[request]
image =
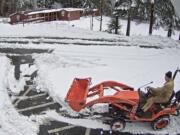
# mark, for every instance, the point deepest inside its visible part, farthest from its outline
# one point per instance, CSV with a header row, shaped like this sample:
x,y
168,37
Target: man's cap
x,y
169,74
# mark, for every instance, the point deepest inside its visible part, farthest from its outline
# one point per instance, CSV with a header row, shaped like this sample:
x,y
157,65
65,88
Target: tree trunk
x,y
117,24
92,21
13,6
128,23
2,7
170,30
151,19
101,3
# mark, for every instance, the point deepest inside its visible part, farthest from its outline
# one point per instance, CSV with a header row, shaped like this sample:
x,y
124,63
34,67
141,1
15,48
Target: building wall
x,y
35,17
15,18
49,16
69,15
96,13
74,15
63,15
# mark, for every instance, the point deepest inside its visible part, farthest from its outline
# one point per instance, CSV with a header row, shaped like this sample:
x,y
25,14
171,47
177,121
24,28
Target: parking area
x,y
33,101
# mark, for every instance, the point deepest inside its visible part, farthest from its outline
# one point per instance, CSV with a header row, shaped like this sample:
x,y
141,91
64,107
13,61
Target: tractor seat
x,y
177,96
160,106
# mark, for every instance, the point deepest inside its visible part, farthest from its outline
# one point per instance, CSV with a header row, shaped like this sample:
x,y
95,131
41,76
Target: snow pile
x,y
157,42
14,85
10,120
54,116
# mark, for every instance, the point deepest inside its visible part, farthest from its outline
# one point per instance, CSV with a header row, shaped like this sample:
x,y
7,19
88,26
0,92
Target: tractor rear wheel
x,y
160,122
118,125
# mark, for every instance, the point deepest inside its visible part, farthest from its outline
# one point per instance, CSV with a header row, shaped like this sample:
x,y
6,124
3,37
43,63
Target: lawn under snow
x,y
127,63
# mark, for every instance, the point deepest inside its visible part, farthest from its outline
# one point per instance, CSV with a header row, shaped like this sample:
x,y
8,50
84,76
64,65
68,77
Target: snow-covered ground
x,y
128,62
10,121
136,28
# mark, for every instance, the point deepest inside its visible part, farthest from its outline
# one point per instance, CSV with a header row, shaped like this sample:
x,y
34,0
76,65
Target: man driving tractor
x,y
127,104
160,94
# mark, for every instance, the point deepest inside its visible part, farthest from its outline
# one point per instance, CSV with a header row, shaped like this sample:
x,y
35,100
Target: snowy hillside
x,y
78,52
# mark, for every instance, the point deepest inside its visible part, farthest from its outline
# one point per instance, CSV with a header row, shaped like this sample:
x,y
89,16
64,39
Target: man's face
x,y
166,78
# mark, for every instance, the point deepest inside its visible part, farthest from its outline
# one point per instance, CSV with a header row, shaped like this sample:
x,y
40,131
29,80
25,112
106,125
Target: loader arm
x,y
80,91
99,88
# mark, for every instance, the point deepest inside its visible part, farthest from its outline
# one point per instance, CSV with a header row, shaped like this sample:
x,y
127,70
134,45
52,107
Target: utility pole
x,y
151,17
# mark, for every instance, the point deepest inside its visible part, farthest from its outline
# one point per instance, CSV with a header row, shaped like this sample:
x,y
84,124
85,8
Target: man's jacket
x,y
163,94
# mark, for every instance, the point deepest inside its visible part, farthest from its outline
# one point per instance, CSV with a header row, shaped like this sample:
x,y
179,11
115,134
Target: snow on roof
x,y
14,14
55,10
73,9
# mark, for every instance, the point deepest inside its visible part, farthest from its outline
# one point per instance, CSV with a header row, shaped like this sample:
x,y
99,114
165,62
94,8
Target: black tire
x,y
118,125
178,106
177,113
160,122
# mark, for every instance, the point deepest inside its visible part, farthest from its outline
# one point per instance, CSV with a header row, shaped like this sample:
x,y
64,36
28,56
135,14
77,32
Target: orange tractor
x,y
123,104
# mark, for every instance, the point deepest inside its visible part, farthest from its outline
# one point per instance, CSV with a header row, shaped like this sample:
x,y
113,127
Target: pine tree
x,y
23,5
164,14
112,26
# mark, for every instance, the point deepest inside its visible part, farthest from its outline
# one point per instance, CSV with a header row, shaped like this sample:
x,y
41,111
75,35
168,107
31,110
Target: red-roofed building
x,y
66,14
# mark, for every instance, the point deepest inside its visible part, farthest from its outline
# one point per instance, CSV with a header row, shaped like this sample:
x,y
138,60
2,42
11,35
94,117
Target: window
x,y
69,15
30,16
18,18
62,13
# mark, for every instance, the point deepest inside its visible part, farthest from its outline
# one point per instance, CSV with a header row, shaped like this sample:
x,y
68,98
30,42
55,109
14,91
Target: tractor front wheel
x,y
118,125
160,122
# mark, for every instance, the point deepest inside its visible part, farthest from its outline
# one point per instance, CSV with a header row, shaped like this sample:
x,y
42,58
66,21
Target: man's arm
x,y
156,91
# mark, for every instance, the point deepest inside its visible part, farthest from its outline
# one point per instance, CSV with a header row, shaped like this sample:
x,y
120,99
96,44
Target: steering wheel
x,y
149,91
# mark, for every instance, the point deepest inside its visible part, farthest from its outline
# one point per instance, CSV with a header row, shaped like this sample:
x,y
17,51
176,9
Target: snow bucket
x,y
77,94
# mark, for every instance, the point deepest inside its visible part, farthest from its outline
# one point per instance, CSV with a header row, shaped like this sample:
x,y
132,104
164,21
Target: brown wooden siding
x,y
66,15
